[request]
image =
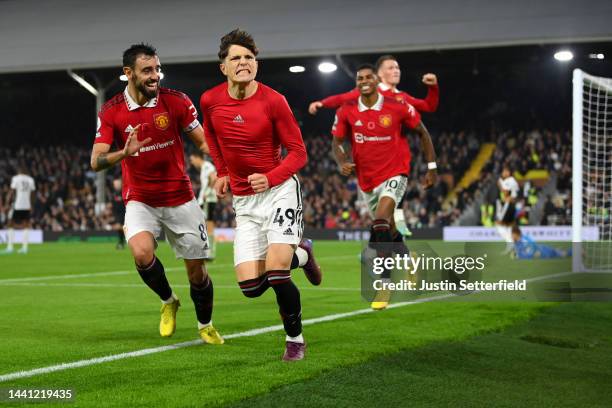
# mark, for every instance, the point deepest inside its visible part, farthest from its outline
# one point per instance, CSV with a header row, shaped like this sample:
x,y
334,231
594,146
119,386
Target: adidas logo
x,y
238,119
358,123
288,232
128,129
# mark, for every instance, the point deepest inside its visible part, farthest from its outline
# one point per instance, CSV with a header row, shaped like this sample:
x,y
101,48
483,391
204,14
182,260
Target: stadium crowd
x,y
65,184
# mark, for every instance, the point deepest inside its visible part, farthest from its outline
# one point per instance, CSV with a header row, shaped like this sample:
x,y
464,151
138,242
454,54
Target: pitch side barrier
x,y
227,235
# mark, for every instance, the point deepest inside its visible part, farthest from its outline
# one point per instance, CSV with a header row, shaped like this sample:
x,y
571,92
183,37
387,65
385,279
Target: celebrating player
x,y
146,122
207,198
22,187
389,75
246,123
381,157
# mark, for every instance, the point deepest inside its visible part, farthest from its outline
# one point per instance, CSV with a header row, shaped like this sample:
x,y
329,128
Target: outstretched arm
x,y
333,101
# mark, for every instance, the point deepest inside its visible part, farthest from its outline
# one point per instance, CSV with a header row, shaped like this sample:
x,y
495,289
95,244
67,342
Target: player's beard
x,y
141,86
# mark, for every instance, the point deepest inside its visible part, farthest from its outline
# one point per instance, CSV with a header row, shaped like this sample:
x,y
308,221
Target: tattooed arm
x,y
101,159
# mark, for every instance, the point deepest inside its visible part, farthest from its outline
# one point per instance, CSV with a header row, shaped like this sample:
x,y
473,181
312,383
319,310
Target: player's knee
x,y
253,288
142,256
196,273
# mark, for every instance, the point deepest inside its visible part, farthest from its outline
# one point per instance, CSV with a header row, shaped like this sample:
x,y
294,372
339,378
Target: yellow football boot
x,y
167,324
210,335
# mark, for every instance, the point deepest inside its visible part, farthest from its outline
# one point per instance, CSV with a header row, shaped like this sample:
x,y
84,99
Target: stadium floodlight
x,y
297,69
564,55
327,67
591,173
598,56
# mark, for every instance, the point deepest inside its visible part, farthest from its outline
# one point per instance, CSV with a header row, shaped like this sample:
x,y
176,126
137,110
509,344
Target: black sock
x,y
288,299
120,237
202,296
254,287
399,247
155,278
382,242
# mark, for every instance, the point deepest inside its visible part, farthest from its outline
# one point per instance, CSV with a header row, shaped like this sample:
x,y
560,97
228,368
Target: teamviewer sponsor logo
x,y
361,138
156,146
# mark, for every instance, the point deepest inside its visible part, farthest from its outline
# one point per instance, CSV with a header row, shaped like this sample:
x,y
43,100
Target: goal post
x,y
591,173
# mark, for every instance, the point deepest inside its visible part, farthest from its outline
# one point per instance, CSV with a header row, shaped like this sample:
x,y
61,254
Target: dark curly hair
x,y
237,37
131,54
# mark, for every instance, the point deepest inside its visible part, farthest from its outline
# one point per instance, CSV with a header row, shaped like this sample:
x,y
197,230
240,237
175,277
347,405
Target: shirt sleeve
x,y
211,139
410,117
188,115
104,128
429,104
32,184
335,101
13,183
340,128
290,136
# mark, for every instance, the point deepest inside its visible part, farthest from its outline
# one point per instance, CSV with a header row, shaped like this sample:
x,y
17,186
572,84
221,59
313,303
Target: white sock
x,y
509,235
504,232
203,325
297,339
171,299
10,238
302,256
25,236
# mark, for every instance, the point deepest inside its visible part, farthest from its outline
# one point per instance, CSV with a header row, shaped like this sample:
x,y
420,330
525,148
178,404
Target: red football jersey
x,y
155,175
380,150
429,104
245,136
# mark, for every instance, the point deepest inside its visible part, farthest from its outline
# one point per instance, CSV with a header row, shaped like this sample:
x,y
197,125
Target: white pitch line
x,y
129,272
253,332
141,285
154,350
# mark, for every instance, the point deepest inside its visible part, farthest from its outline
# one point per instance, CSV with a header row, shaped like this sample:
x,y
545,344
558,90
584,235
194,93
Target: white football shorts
x,y
183,225
271,217
394,188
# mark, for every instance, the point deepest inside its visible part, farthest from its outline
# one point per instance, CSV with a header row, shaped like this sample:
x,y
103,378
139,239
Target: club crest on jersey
x,y
385,120
161,120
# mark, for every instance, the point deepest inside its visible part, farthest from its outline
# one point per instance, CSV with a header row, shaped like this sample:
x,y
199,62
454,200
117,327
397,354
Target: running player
x,y
381,158
146,122
246,124
389,75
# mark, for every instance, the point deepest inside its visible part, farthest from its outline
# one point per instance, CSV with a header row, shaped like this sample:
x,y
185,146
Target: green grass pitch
x,y
67,302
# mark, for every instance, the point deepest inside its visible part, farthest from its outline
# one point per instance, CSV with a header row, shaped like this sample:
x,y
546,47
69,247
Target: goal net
x,y
592,173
